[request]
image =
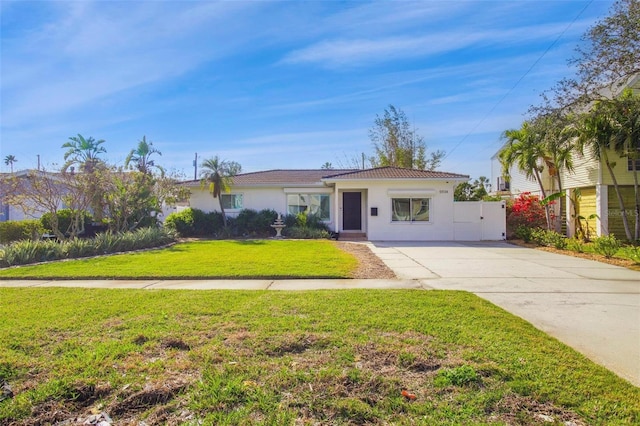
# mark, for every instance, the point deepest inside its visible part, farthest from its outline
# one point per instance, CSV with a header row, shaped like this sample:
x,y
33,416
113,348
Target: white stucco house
x,y
379,204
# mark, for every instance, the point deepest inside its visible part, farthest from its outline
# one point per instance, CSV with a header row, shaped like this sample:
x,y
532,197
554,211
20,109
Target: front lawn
x,y
206,259
283,358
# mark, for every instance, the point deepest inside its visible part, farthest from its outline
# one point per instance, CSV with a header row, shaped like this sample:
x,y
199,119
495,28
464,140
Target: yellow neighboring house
x,y
590,194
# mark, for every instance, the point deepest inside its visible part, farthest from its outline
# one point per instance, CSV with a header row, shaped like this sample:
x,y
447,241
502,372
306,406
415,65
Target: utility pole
x,y
38,161
195,168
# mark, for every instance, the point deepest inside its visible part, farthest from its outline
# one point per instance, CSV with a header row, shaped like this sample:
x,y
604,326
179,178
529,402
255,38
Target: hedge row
x,y
29,251
248,224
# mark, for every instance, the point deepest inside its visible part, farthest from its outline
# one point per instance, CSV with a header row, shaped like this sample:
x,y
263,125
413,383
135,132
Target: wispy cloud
x,y
344,52
85,53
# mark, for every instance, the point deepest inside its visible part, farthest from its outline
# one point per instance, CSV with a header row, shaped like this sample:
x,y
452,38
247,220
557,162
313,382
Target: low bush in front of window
x,y
192,222
304,226
252,223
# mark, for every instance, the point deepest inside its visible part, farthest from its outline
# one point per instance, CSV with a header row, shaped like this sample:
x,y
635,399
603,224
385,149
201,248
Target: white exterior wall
x,y
496,172
258,198
518,181
253,198
382,228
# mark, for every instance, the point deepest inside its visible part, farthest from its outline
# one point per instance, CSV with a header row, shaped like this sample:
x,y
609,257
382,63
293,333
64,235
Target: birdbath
x,y
278,225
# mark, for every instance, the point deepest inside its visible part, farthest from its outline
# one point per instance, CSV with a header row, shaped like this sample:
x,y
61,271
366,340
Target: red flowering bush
x,y
525,211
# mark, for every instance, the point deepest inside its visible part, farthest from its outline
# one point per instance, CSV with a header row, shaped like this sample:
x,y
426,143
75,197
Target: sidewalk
x,y
312,284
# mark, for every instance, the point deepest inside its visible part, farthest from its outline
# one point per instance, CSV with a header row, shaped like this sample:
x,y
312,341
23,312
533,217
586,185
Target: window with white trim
x,y
410,209
231,201
310,204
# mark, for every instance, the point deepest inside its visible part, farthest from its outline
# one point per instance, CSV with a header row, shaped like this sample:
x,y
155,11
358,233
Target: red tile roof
x,y
394,173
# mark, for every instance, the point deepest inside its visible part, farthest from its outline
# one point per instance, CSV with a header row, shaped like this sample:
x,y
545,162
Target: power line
x,y
519,80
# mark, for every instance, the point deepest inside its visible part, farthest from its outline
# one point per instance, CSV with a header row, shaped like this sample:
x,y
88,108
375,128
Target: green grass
x,y
206,259
280,358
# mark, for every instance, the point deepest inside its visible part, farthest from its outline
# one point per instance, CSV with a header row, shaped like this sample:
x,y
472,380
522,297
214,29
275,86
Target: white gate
x,y
479,221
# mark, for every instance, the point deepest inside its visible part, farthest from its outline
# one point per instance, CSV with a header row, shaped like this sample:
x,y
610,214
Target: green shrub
x,y
524,233
24,252
548,238
458,376
192,222
315,222
607,245
256,224
180,222
632,253
65,216
29,251
16,230
77,247
290,220
576,244
306,233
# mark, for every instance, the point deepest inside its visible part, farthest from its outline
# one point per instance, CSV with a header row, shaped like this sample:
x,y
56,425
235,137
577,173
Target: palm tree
x,y
9,160
217,174
558,137
141,156
83,152
626,113
597,133
525,150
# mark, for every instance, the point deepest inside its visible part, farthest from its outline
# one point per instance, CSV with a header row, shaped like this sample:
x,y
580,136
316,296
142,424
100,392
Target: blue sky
x,y
277,84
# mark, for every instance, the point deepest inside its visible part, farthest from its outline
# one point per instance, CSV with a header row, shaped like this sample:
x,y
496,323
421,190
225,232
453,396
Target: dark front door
x,y
352,211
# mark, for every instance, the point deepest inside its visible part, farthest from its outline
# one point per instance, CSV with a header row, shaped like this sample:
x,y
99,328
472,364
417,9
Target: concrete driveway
x,y
591,306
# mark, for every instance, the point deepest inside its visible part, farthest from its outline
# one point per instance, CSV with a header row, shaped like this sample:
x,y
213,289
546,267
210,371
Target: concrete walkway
x,y
590,306
312,284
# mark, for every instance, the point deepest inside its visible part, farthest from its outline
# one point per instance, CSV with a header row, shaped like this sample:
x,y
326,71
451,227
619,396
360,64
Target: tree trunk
x,y
224,216
544,195
623,211
559,221
636,193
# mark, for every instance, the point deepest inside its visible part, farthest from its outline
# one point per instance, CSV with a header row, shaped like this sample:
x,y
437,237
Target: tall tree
x,y
597,134
625,112
9,160
217,175
475,191
141,156
85,152
525,150
557,135
44,192
397,144
605,62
